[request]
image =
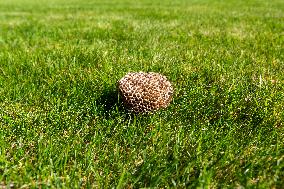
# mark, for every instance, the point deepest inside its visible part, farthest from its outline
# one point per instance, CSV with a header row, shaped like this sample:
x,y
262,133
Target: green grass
x,y
62,123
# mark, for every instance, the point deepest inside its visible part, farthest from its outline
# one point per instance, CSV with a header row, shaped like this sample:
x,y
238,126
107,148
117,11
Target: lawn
x,y
62,123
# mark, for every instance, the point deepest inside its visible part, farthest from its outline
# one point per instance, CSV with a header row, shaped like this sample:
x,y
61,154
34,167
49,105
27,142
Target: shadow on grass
x,y
111,107
110,104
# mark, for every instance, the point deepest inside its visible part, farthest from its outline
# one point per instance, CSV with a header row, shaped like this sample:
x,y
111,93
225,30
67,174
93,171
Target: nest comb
x,y
145,92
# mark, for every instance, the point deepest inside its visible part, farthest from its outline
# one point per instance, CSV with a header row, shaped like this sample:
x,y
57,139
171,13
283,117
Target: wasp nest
x,y
145,92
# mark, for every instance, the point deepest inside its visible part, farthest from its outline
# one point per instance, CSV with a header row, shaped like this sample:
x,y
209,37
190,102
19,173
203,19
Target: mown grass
x,y
62,122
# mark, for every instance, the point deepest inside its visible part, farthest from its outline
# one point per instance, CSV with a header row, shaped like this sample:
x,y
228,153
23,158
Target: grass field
x,y
62,123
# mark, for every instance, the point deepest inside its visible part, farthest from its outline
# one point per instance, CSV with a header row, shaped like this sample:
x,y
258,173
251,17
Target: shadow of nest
x,y
110,103
111,106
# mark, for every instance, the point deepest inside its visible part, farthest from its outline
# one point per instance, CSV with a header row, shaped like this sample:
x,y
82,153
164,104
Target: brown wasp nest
x,y
145,92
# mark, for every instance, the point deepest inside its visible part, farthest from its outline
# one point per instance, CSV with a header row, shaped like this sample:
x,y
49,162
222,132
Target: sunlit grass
x,y
62,122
